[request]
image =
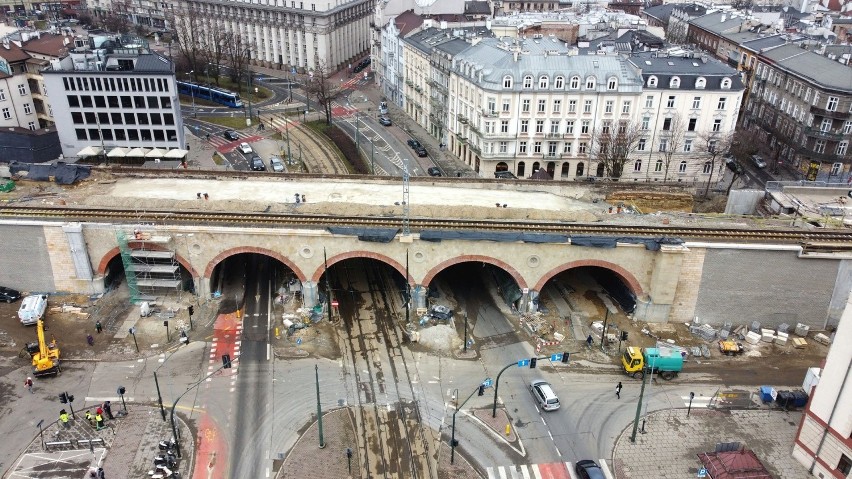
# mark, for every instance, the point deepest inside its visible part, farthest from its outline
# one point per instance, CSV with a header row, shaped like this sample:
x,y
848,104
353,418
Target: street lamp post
x,y
192,93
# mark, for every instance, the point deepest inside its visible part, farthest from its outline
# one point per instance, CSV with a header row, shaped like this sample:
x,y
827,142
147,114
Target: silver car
x,y
276,164
544,395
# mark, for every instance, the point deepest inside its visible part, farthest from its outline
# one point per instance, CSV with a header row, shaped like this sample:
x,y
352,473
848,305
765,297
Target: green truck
x,y
665,362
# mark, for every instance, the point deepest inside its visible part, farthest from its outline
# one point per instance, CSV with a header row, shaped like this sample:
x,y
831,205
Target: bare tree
x,y
671,141
188,34
714,145
216,45
744,143
614,143
322,88
236,54
117,18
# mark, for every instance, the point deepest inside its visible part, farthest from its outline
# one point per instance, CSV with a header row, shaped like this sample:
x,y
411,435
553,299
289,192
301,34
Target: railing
x,y
475,149
462,119
489,113
553,135
828,113
554,156
830,134
776,186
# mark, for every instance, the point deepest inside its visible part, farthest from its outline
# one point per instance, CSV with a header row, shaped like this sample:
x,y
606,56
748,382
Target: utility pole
x,y
319,410
639,407
406,208
372,157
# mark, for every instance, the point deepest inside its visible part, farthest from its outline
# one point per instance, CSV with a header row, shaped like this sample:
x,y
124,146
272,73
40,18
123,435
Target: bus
x,y
211,93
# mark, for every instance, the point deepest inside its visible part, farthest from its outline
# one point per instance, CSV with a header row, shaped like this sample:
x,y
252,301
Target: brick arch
x,y
478,259
252,249
362,254
109,255
625,275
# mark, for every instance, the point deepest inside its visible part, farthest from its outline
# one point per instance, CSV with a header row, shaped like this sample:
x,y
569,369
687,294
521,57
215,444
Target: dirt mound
x,y
652,201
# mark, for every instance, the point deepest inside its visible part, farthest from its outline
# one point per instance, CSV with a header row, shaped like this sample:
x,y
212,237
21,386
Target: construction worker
x,y
100,420
90,418
63,418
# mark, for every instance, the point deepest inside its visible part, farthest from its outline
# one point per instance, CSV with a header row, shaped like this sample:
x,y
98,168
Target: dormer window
x,y
559,83
528,81
652,82
701,83
674,82
590,83
726,83
612,84
575,83
542,83
507,81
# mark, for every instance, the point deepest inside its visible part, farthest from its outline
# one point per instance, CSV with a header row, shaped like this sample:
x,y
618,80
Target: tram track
x,y
257,219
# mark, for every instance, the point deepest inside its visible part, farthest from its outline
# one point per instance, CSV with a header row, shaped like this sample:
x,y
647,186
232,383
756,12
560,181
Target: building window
x,y
646,120
584,127
569,127
504,147
611,84
7,114
658,166
522,147
28,109
637,166
587,106
542,106
667,124
504,126
844,466
582,147
31,125
572,106
836,168
674,83
554,127
507,105
687,145
528,81
489,127
525,126
539,126
640,146
575,83
22,89
649,101
625,107
567,147
825,126
664,145
559,83
492,106
537,147
670,103
721,104
693,122
847,127
652,81
700,83
819,146
842,147
831,103
608,106
696,103
707,168
717,125
590,83
580,168
507,81
681,168
542,83
2,94
525,106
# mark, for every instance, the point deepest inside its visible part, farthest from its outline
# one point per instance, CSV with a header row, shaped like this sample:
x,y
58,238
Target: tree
x,y
236,54
322,89
714,145
188,34
671,141
744,143
614,143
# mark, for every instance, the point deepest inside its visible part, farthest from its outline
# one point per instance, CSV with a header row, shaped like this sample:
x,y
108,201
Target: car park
x,y
231,135
758,161
246,148
434,171
257,164
276,164
544,395
385,121
9,295
421,152
588,469
414,144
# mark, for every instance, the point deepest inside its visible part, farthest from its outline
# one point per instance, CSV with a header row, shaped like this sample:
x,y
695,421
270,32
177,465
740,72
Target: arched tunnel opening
x,y
594,293
241,277
154,276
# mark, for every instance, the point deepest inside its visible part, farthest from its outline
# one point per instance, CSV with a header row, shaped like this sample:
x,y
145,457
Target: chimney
x,y
515,55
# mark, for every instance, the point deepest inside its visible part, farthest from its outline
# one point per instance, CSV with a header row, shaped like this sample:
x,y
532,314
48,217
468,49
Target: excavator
x,y
45,356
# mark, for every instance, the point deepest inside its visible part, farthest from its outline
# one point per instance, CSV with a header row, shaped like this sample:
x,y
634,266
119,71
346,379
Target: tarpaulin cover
x,y
651,244
63,173
438,235
375,235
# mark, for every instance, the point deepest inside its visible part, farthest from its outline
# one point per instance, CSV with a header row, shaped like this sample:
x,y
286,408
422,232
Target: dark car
x,y
257,164
9,295
414,144
421,152
439,311
362,65
231,135
385,121
505,175
587,469
434,171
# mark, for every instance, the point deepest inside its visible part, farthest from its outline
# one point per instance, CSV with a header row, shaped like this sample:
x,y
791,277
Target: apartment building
x,y
391,62
284,34
801,102
116,93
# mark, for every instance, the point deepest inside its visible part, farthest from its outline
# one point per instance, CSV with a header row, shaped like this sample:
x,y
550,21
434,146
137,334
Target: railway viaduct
x,y
713,281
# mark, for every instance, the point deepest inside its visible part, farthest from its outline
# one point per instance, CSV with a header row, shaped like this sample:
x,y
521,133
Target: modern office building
x,y
114,92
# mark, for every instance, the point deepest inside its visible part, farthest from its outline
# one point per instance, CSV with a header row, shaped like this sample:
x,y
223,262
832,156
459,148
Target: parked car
x,y
246,148
385,121
439,311
414,144
231,135
758,161
383,108
434,171
588,469
505,174
9,295
276,164
544,395
257,164
362,65
421,152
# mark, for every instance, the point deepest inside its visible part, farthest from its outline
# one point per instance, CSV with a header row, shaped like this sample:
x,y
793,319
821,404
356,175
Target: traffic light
x,y
190,310
226,361
532,362
624,335
70,398
481,390
565,356
63,398
121,390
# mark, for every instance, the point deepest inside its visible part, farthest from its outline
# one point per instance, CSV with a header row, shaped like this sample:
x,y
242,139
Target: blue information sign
x,y
298,340
556,357
488,382
523,362
702,472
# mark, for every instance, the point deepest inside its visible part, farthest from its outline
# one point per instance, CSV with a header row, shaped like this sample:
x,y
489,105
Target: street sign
x,y
488,382
702,472
298,340
334,303
556,357
523,363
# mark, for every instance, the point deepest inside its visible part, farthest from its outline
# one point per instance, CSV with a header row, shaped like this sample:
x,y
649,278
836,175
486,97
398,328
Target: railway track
x,y
222,218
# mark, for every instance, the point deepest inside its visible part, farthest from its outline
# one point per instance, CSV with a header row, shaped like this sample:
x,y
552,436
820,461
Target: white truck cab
x,y
32,309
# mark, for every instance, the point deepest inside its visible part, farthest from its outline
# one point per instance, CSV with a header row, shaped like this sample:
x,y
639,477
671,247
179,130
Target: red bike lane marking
x,y
212,448
553,470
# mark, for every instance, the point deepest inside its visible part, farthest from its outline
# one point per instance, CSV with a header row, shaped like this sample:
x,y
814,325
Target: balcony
x,y
828,134
474,130
826,157
829,114
475,149
462,119
553,134
552,156
489,113
497,134
462,139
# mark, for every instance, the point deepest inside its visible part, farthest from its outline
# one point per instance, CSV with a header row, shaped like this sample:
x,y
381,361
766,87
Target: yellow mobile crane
x,y
45,356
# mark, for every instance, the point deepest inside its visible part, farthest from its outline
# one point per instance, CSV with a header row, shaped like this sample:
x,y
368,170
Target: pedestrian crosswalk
x,y
552,470
224,145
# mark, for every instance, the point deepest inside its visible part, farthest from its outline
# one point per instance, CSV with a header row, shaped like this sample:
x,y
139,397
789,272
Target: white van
x,y
32,309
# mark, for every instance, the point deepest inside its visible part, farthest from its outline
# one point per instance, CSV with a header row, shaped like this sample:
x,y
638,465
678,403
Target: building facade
x,y
801,102
115,95
391,62
824,441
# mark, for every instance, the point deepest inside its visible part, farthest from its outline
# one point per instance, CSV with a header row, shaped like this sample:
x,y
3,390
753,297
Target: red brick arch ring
x,y
477,259
362,254
208,271
102,266
622,273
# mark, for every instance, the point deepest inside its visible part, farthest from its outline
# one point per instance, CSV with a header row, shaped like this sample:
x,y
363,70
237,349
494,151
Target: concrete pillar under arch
x,y
310,294
529,301
418,297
